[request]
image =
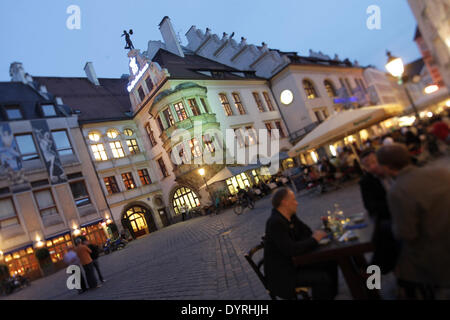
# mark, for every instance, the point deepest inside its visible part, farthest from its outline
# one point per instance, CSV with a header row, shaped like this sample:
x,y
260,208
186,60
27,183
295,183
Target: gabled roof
x,y
107,102
189,67
414,68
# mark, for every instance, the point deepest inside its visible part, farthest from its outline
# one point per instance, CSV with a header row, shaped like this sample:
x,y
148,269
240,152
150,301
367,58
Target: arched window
x,y
184,196
94,136
330,88
112,133
309,89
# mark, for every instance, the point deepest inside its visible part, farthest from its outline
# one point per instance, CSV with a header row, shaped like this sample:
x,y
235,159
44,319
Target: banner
x,y
48,150
9,152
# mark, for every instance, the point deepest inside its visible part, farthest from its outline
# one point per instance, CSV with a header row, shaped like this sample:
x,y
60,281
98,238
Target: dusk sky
x,y
35,32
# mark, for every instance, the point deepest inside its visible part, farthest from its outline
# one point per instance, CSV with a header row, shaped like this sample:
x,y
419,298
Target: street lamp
x,y
395,67
202,173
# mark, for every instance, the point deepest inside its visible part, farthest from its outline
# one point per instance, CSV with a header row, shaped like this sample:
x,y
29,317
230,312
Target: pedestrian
x,y
286,237
71,258
95,251
419,203
183,211
84,254
373,185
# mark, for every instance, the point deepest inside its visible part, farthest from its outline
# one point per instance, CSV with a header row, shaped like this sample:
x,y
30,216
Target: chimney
x,y
90,73
17,72
170,39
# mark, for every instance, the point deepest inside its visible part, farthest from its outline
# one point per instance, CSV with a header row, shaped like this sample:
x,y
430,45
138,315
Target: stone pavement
x,y
201,258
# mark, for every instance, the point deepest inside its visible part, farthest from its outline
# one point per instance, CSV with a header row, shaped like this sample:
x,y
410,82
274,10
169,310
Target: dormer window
x,y
141,94
48,110
149,83
13,113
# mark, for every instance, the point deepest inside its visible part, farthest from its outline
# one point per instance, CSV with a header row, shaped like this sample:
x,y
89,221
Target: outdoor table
x,y
350,258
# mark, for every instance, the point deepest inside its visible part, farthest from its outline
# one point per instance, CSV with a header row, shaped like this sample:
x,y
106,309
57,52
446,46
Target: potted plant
x,y
45,261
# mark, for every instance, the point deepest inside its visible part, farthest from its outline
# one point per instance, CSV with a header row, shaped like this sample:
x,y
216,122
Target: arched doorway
x,y
138,220
184,196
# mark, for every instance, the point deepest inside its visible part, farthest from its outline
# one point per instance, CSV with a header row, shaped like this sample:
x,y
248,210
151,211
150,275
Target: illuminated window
x,y
128,132
169,118
258,102
116,148
22,262
45,202
144,177
238,103
310,91
111,185
8,215
163,168
80,193
208,142
251,137
112,133
94,136
184,197
150,134
280,128
194,107
62,142
195,148
99,152
238,181
133,147
136,217
128,181
269,127
180,111
268,101
330,88
225,104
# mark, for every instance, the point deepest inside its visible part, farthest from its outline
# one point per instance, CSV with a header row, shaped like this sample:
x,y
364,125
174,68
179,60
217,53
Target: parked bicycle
x,y
243,203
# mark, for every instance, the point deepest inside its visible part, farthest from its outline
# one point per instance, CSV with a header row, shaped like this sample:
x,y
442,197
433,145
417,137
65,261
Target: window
x,y
99,152
94,136
8,214
13,113
179,109
330,88
240,180
128,132
62,143
207,140
280,128
325,113
27,147
150,134
238,134
48,110
144,177
116,148
133,146
194,107
168,116
318,116
251,134
343,86
238,103
184,197
59,246
225,104
348,85
363,85
45,202
80,194
309,89
160,124
128,181
268,101
269,127
112,133
141,94
149,84
111,185
258,101
205,107
195,148
162,166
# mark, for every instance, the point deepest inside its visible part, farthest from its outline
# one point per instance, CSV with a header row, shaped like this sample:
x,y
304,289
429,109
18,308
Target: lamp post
x,y
395,67
202,173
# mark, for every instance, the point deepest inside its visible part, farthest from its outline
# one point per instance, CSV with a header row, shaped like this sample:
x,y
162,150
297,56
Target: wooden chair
x,y
303,292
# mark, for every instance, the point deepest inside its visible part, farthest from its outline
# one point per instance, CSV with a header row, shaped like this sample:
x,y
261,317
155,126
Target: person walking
x,y
84,254
94,255
419,204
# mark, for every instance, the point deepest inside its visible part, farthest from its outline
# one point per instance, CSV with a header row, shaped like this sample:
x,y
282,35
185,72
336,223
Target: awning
x,y
344,123
84,225
231,171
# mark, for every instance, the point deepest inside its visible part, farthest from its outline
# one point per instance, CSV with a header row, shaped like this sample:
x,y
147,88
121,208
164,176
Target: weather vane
x,y
127,39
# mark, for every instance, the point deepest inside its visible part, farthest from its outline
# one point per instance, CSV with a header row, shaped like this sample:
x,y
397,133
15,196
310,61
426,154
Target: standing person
x,y
419,204
84,254
183,211
71,258
286,237
373,190
94,255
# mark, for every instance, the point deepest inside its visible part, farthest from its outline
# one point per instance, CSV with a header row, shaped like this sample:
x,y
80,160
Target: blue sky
x,y
35,32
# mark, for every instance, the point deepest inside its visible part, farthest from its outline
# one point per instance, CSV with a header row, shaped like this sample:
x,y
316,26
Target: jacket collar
x,y
277,213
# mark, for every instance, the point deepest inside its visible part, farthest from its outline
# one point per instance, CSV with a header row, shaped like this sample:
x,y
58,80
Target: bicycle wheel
x,y
238,209
251,205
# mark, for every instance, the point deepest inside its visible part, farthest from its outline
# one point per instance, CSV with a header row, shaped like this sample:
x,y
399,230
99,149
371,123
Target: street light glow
x,y
201,172
395,66
431,88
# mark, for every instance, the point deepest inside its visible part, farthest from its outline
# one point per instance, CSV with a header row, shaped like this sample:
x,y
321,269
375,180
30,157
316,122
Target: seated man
x,y
286,237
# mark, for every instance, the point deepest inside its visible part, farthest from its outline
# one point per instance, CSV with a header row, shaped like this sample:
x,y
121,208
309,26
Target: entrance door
x,y
163,215
137,222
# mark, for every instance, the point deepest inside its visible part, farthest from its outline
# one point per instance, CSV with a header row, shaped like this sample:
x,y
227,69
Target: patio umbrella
x,y
344,123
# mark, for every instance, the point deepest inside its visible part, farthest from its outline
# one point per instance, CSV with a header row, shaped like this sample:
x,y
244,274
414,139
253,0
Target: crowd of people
x,y
407,201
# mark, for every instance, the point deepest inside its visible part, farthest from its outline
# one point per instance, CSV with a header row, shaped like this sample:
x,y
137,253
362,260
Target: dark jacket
x,y
283,241
95,251
375,201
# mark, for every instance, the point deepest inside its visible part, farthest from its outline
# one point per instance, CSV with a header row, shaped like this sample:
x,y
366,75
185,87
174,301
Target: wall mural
x,y
48,151
10,160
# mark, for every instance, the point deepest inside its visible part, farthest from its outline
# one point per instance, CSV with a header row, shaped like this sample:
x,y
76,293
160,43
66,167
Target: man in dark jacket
x,y
286,237
374,197
94,255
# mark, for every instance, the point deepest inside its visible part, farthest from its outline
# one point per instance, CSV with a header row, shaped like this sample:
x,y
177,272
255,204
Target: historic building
x,y
49,191
116,148
188,106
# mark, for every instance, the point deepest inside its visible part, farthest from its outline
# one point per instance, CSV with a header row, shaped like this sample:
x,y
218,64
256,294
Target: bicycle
x,y
241,204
